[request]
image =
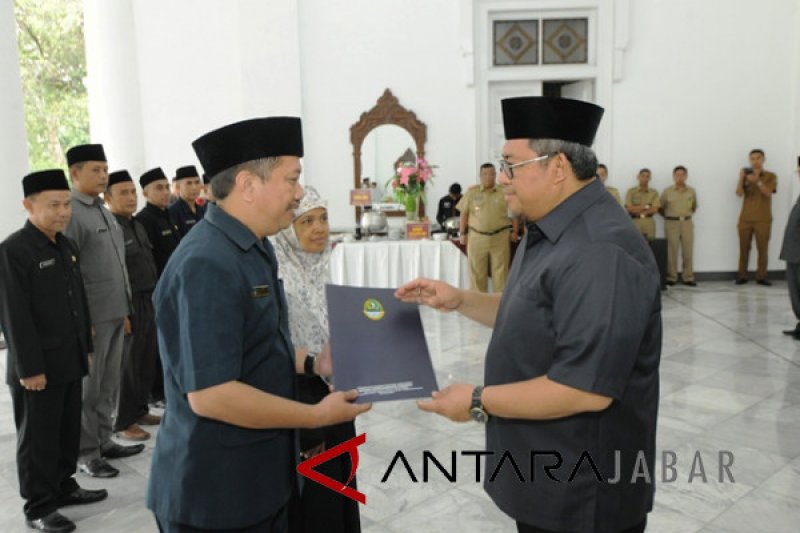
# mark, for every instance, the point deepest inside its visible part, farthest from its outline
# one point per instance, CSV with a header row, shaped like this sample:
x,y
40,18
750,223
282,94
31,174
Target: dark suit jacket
x,y
790,250
43,308
163,232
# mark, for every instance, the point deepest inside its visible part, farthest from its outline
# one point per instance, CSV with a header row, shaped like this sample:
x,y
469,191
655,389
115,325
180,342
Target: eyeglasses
x,y
508,170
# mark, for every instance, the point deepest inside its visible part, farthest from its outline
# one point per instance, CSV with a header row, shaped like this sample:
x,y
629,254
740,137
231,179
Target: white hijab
x,y
304,276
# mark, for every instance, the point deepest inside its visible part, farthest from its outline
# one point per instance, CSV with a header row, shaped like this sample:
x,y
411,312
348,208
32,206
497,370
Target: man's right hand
x,y
338,407
463,239
34,383
430,292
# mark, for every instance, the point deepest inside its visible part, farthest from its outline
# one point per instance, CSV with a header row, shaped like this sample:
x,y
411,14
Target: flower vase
x,y
412,208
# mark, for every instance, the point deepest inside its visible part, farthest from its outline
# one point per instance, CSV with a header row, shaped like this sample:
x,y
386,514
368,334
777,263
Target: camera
x,y
747,171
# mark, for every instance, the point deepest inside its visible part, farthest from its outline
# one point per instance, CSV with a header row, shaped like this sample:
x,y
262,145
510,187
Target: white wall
x,y
350,53
205,63
698,83
13,142
704,82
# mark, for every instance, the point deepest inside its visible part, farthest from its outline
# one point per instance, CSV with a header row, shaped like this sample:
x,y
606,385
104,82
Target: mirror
x,y
380,151
382,136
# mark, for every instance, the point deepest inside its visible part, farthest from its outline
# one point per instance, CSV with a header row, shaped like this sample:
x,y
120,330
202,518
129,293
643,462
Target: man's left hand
x,y
452,402
127,327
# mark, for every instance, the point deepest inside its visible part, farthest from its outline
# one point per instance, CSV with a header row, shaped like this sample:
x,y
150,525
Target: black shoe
x,y
82,496
671,283
792,332
117,451
98,468
55,522
741,281
764,282
690,283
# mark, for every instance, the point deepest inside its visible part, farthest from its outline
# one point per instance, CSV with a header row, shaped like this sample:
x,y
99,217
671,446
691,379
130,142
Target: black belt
x,y
679,218
490,233
641,216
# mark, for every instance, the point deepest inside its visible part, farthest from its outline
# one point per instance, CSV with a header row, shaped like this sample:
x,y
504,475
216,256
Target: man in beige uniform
x,y
757,186
484,214
642,203
678,202
602,173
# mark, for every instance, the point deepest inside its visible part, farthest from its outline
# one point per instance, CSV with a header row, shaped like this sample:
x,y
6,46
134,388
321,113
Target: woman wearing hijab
x,y
303,254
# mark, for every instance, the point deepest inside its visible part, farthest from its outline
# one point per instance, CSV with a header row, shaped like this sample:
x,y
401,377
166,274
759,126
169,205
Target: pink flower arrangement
x,y
408,183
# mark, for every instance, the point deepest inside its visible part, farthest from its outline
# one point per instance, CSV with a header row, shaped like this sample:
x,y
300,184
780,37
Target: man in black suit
x,y
790,252
447,204
45,317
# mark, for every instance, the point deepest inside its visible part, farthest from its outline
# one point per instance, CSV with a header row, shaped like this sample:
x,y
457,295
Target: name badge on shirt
x,y
128,243
166,232
260,291
48,263
101,230
189,222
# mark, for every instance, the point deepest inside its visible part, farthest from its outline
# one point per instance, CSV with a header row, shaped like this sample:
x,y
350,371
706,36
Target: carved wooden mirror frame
x,y
387,110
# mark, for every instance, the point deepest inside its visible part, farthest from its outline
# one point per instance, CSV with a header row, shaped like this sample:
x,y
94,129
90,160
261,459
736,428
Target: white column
x,y
13,140
115,116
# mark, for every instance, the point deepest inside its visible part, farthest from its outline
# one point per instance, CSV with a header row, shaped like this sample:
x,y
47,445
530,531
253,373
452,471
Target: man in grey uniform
x,y
571,374
102,250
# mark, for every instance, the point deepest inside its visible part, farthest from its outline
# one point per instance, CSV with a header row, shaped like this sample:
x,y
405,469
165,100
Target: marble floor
x,y
730,382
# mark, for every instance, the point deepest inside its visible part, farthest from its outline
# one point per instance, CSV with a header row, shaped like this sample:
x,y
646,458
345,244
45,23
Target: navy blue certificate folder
x,y
378,345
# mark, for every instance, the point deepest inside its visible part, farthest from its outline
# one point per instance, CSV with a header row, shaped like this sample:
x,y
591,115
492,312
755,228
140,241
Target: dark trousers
x,y
48,437
138,363
276,523
524,528
793,280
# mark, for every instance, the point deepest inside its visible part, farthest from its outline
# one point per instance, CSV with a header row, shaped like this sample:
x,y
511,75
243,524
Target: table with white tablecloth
x,y
389,264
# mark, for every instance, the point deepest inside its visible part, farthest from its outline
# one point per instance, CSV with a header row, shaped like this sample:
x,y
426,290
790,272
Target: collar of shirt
x,y
553,224
86,199
233,229
40,239
123,220
487,189
156,210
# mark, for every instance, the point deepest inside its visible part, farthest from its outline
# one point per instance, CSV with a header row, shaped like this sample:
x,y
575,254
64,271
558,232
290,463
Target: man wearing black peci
x,y
572,365
45,316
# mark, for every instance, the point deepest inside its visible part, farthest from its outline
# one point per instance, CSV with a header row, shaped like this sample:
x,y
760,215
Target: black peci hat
x,y
85,152
118,177
44,180
154,174
248,140
186,172
539,117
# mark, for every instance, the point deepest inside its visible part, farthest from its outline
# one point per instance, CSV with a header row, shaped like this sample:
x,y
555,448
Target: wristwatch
x,y
477,411
308,365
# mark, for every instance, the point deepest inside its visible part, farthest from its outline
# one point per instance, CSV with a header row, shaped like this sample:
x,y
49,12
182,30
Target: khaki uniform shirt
x,y
636,196
486,209
756,206
678,202
613,191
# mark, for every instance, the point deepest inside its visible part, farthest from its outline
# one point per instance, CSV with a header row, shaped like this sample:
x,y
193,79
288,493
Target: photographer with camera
x,y
756,186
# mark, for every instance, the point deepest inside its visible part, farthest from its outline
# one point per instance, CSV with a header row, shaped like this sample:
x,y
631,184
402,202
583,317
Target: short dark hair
x,y
601,165
455,188
679,167
645,170
757,151
487,165
222,183
581,158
